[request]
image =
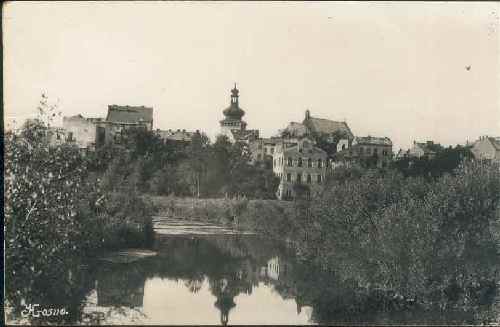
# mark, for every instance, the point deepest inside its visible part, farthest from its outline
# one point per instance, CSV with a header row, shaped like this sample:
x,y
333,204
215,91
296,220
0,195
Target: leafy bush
x,y
429,240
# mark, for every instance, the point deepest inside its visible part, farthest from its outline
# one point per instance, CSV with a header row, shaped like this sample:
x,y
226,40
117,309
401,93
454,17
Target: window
x,y
290,162
319,179
272,150
320,163
288,177
343,146
299,162
375,150
70,136
260,146
299,178
360,151
309,179
259,156
309,163
327,163
265,150
367,150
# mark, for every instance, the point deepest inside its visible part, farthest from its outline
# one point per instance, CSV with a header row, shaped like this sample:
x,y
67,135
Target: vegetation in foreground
x,y
57,208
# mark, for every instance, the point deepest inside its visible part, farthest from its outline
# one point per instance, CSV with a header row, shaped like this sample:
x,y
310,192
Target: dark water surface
x,y
203,274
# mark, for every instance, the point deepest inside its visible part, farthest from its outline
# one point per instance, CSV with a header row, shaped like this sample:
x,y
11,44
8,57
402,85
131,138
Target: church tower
x,y
232,116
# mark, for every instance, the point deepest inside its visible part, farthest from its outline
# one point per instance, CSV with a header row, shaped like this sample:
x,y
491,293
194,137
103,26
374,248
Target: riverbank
x,y
266,217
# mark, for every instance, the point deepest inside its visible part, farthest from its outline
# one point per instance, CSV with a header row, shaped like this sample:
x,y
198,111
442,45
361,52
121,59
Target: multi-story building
x,y
232,125
335,135
299,164
81,131
120,119
367,148
263,148
487,148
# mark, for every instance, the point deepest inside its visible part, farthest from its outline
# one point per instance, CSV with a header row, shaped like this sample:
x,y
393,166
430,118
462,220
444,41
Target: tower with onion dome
x,y
232,116
232,125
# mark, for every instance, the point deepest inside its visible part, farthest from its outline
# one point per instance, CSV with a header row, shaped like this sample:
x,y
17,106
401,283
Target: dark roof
x,y
327,126
129,114
372,140
234,111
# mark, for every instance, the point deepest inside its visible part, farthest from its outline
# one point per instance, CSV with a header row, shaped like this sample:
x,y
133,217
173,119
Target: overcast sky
x,y
388,69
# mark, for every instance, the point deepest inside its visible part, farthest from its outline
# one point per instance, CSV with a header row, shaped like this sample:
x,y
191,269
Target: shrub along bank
x,y
56,210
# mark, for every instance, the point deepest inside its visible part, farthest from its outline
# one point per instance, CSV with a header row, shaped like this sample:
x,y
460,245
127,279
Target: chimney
x,y
308,114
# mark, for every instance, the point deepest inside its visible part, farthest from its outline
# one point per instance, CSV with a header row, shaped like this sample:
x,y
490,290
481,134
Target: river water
x,y
207,274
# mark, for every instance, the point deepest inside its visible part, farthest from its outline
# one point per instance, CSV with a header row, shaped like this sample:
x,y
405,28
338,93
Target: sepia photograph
x,y
251,163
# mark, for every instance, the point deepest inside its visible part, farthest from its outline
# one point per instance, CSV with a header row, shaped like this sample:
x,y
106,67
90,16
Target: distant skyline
x,y
409,71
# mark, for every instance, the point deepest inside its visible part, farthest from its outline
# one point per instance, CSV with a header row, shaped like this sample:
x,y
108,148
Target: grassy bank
x,y
267,217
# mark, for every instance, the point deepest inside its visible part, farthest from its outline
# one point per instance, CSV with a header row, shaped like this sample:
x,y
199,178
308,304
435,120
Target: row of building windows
x,y
300,178
267,150
301,162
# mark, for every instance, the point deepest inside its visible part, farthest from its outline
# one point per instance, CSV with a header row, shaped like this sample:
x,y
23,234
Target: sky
x,y
409,71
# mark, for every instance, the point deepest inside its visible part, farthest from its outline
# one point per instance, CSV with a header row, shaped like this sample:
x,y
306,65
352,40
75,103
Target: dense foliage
x,y
431,241
446,160
57,210
197,168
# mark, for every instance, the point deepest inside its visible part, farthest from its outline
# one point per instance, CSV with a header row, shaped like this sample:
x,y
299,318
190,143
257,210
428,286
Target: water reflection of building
x,y
273,268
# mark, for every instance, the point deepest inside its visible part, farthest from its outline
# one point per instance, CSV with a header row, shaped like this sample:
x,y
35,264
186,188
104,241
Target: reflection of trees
x,y
194,285
121,285
232,266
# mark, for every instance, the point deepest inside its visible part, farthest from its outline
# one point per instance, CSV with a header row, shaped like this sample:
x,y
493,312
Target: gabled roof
x,y
327,126
129,114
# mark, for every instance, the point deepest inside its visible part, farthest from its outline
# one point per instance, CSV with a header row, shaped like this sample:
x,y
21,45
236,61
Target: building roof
x,y
129,114
234,111
372,140
495,141
245,135
295,129
327,126
296,149
175,135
